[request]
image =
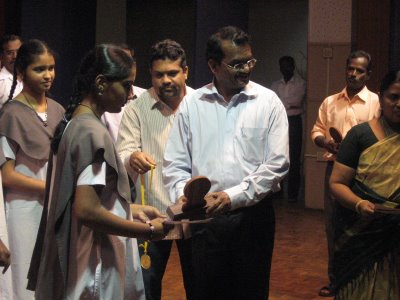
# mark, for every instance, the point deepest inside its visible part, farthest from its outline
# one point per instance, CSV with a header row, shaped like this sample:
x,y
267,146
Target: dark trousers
x,y
232,254
159,252
295,145
330,212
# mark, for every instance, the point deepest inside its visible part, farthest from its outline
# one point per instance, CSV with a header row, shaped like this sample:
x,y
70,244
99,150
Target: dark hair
x,y
287,58
27,54
360,53
167,49
228,33
128,48
390,78
8,38
108,60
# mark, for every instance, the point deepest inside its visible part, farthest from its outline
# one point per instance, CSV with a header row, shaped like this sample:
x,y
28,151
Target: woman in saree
x,y
366,182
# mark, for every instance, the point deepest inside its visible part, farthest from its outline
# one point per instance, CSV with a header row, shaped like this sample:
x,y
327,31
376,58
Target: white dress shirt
x,y
291,94
6,80
240,145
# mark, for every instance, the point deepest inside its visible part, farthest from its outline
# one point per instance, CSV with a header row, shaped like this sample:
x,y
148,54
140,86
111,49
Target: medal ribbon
x,y
143,201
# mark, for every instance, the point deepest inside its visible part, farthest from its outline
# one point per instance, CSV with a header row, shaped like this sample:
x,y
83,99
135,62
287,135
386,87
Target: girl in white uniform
x,y
88,251
5,277
27,123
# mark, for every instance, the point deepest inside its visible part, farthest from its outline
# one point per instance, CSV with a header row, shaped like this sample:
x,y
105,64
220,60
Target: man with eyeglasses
x,y
235,132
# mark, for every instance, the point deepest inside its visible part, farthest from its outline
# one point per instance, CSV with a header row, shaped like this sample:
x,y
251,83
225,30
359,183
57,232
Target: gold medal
x,y
145,261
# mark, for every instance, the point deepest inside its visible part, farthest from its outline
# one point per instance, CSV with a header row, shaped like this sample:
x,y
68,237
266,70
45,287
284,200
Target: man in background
x,y
291,89
141,142
8,53
355,104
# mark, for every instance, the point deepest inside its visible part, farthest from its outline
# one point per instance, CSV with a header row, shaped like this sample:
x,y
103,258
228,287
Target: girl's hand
x,y
4,256
160,229
145,213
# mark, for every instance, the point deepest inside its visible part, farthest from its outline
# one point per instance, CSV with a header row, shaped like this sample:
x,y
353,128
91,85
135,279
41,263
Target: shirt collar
x,y
156,101
363,95
248,92
290,80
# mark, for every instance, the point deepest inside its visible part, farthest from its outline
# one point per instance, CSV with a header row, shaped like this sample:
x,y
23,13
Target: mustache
x,y
163,88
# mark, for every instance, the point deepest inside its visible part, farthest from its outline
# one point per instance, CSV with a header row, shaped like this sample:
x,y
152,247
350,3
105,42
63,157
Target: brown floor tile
x,y
298,264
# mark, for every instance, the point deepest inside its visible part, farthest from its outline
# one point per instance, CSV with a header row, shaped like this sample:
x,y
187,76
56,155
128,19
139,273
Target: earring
x,y
100,90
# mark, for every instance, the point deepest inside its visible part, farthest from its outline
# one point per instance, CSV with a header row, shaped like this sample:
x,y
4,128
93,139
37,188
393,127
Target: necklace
x,y
81,104
44,121
389,130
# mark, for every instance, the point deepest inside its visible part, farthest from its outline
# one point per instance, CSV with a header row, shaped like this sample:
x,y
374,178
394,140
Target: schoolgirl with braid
x,y
88,250
27,125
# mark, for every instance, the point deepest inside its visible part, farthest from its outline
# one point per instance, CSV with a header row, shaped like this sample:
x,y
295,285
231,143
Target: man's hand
x,y
332,147
329,145
141,162
145,213
4,257
218,203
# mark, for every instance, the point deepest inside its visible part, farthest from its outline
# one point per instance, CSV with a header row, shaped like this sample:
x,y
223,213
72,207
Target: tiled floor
x,y
298,263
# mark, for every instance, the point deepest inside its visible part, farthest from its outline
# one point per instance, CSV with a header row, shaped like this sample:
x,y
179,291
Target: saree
x,y
367,248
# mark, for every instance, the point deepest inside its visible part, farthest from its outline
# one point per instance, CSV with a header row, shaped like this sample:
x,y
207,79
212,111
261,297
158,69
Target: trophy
x,y
336,135
195,207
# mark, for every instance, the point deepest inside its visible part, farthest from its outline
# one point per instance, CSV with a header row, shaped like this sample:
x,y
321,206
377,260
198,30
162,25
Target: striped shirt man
x,y
145,127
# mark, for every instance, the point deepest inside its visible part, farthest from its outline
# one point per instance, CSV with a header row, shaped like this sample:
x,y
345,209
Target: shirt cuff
x,y
132,174
178,191
315,135
237,195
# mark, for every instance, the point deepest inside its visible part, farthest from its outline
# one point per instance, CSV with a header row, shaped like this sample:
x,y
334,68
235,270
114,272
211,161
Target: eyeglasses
x,y
241,66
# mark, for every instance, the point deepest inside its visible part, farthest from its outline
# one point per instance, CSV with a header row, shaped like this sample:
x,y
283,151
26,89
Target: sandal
x,y
326,291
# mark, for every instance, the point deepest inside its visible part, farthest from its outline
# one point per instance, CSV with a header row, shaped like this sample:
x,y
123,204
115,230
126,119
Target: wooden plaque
x,y
195,207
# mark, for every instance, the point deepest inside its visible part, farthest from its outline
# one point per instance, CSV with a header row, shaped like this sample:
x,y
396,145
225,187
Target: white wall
x,y
329,33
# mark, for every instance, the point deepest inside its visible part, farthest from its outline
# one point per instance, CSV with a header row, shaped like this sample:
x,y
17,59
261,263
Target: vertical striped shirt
x,y
145,127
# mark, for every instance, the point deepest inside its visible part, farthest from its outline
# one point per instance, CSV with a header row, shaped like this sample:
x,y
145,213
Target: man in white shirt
x,y
235,132
291,89
8,53
141,141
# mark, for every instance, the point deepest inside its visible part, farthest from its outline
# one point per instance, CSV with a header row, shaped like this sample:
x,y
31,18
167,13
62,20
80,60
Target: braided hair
x,y
105,59
26,55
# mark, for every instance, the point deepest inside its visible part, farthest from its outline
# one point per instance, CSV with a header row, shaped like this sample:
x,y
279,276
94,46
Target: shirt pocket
x,y
250,144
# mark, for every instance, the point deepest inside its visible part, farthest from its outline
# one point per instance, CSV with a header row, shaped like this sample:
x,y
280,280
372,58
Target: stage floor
x,y
299,261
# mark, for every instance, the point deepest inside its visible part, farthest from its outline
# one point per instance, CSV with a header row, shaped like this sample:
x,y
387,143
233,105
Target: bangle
x,y
358,206
151,229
